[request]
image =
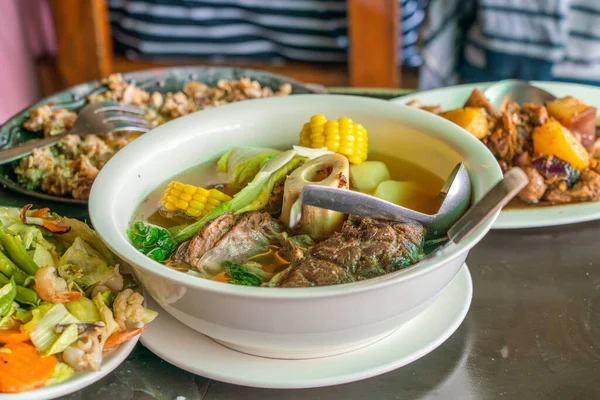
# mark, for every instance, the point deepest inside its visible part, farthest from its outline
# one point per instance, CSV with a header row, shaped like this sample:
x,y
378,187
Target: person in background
x,y
310,31
489,40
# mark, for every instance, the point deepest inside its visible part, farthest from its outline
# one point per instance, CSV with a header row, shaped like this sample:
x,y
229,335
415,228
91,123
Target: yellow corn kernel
x,y
191,201
169,206
343,136
183,205
193,212
197,205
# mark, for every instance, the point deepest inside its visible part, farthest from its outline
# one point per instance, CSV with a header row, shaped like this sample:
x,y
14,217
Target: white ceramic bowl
x,y
280,322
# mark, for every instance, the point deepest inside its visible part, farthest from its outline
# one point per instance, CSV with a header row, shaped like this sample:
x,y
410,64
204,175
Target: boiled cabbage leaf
x,y
83,265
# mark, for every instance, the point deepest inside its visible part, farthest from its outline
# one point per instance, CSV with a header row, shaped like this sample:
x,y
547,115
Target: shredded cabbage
x,y
106,315
8,293
252,197
84,310
82,231
64,340
61,372
83,265
36,315
43,334
9,320
43,258
229,160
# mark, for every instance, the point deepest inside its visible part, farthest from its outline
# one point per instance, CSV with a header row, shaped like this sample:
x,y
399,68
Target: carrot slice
x,y
22,368
121,337
13,336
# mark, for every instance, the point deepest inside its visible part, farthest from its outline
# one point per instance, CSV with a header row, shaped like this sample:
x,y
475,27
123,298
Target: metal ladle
x,y
455,197
517,90
506,189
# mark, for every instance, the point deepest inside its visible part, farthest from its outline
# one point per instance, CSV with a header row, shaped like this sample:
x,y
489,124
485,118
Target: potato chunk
x,y
576,116
553,139
366,176
472,119
403,193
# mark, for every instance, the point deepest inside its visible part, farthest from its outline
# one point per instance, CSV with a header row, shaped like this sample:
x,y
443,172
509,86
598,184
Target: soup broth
x,y
206,175
275,258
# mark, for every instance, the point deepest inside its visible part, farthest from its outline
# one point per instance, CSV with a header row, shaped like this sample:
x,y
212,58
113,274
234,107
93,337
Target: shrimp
x,y
36,218
128,308
86,352
120,337
53,288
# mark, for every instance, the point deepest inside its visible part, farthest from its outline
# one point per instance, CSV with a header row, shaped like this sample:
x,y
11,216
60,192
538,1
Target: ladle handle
x,y
351,202
504,191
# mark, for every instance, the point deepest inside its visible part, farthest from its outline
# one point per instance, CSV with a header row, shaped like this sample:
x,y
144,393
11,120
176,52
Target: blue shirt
x,y
489,40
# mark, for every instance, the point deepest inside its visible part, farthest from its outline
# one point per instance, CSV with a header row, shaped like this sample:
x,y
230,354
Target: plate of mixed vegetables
x,y
70,311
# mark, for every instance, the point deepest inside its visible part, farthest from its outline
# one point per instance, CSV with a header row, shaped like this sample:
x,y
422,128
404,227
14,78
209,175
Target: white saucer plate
x,y
79,380
531,217
198,354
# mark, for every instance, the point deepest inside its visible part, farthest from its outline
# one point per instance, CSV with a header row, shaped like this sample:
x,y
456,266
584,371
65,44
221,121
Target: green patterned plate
x,y
162,80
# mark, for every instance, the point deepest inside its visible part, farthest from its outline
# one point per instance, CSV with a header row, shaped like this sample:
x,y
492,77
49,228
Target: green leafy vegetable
x,y
108,297
81,230
84,310
148,315
64,340
61,372
23,315
263,193
251,198
43,334
246,170
157,243
36,315
43,257
106,315
223,162
241,276
83,265
8,321
230,160
8,293
17,253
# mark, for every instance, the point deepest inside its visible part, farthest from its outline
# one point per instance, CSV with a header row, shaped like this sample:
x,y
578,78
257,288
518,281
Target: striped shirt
x,y
488,40
252,30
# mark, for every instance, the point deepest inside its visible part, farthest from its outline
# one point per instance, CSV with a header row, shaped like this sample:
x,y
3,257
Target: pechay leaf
x,y
155,242
241,276
253,197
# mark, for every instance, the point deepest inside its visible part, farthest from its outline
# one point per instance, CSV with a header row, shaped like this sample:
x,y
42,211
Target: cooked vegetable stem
x,y
17,253
10,270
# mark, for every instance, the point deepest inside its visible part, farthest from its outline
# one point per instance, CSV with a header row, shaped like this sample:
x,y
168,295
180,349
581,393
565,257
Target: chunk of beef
x,y
503,142
204,240
250,235
364,248
534,114
535,189
586,189
315,272
477,99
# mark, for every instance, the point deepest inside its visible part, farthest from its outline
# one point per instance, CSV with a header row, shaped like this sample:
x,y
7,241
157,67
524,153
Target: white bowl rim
x,y
125,250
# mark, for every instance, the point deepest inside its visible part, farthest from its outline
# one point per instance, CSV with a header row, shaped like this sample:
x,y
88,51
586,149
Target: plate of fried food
x,y
555,143
66,171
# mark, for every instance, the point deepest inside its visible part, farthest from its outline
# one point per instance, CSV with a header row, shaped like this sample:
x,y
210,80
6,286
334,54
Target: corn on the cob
x,y
343,136
194,202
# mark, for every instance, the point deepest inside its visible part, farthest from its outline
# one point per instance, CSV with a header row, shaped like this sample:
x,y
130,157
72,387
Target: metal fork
x,y
96,118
